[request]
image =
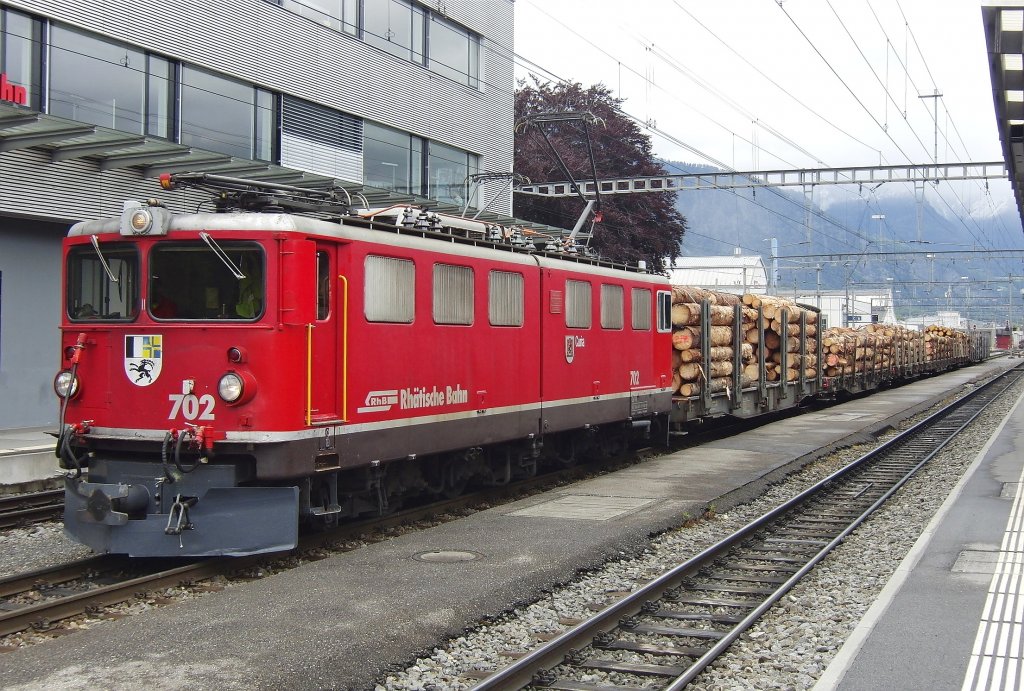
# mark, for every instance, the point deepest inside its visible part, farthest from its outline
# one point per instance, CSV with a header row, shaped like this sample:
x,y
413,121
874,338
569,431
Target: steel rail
x,y
55,575
43,614
22,509
566,646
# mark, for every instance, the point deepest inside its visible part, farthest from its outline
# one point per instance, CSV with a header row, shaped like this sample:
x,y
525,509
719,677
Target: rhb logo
x,y
379,401
413,398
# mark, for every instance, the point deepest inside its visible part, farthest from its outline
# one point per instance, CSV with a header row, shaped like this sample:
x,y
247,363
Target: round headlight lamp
x,y
141,221
65,382
231,387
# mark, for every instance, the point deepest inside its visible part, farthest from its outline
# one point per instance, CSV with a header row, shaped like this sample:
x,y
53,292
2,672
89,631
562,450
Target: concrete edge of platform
x,y
840,664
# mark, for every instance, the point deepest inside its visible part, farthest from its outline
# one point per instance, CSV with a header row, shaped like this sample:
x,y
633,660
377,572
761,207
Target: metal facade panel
x,y
275,48
316,157
74,190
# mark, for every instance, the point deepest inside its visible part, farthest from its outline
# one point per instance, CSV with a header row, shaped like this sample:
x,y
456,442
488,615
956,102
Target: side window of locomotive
x,y
664,311
389,290
577,304
641,304
611,306
453,294
323,285
197,281
505,298
103,282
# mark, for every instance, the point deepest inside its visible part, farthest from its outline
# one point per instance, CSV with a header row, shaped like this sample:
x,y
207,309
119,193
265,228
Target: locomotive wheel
x,y
455,484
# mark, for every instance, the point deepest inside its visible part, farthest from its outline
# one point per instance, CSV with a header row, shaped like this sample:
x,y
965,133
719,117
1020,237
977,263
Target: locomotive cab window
x,y
323,285
641,304
611,306
577,304
103,282
199,281
664,311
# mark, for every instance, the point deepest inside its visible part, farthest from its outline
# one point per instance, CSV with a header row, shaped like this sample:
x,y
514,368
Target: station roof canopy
x,y
111,150
1004,34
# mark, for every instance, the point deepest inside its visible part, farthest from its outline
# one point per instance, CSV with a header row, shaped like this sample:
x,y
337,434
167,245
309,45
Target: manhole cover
x,y
446,556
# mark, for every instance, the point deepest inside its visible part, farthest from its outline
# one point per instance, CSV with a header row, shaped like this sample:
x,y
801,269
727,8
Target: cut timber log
x,y
685,314
720,368
682,339
688,314
689,371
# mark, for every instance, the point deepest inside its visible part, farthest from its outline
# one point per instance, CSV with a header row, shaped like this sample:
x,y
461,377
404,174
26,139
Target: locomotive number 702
x,y
192,407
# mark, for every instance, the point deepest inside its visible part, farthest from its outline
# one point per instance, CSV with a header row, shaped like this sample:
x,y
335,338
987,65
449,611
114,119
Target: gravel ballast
x,y
793,643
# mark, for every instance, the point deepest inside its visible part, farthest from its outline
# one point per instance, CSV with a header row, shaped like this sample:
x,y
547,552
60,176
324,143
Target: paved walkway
x,y
952,616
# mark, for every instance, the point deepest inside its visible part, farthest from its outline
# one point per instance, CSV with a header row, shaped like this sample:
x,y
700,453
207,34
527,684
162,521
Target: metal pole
x,y
817,292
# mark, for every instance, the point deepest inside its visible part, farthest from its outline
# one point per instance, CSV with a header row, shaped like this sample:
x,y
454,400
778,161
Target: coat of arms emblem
x,y
143,358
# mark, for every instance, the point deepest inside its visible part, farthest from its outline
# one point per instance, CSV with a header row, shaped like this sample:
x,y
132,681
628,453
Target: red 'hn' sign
x,y
12,92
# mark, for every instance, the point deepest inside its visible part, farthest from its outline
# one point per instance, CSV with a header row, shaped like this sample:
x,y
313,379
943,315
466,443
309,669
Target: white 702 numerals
x,y
191,407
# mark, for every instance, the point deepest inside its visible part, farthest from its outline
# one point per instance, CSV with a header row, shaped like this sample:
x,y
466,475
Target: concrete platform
x,y
951,616
342,622
27,461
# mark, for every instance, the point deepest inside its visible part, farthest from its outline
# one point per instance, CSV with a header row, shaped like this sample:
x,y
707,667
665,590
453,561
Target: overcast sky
x,y
741,81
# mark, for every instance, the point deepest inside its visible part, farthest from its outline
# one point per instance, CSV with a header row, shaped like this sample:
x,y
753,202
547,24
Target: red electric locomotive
x,y
227,375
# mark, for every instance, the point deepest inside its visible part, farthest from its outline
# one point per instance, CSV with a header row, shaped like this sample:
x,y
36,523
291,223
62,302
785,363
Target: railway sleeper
x,y
636,668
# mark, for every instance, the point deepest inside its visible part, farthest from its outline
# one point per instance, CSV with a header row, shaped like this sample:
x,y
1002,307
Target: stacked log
x,y
907,345
879,347
885,346
779,335
943,342
838,350
691,373
848,350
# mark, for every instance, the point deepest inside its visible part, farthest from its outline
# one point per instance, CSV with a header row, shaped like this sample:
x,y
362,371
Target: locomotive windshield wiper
x,y
223,256
103,261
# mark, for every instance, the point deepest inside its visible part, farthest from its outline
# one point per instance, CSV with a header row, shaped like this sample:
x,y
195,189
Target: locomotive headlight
x,y
149,218
231,387
141,221
64,382
236,388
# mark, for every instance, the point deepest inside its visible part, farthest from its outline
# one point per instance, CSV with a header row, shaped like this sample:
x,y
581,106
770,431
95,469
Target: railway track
x,y
23,509
41,600
664,634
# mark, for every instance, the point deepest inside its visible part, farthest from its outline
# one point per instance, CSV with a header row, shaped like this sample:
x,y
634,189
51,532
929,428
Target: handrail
x,y
344,349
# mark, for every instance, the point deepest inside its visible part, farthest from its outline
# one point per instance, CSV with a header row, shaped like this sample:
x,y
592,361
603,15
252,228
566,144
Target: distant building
x,y
953,320
730,274
853,309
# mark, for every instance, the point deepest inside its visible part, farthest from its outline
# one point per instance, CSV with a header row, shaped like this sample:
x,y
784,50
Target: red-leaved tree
x,y
634,226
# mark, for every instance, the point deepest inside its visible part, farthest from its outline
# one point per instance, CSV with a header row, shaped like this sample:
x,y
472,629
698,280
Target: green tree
x,y
633,226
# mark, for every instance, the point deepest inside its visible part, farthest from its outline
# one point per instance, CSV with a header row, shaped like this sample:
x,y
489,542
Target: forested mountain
x,y
841,221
